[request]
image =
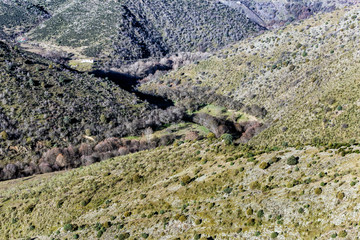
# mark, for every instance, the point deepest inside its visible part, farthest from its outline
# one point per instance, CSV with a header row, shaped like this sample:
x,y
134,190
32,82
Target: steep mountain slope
x,y
44,105
305,76
124,31
198,190
129,30
19,16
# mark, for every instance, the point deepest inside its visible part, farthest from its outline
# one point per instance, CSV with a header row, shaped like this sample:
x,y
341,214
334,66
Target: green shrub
x,y
228,190
29,208
249,211
3,135
264,165
255,185
228,138
251,222
293,160
211,136
123,236
69,227
137,178
274,160
185,180
318,191
107,224
127,214
274,235
145,235
99,233
85,202
198,221
342,234
260,214
60,203
182,218
340,195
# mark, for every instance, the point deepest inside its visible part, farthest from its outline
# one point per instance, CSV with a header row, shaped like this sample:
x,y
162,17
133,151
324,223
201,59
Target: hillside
x,y
45,105
304,76
122,31
279,12
17,17
192,190
256,140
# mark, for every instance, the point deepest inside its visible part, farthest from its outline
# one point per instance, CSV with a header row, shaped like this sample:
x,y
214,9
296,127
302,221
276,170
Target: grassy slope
x,y
301,74
226,183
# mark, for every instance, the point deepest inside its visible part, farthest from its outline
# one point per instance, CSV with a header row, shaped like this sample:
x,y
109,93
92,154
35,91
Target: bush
x,y
250,222
228,190
185,180
123,236
255,185
228,138
249,211
137,178
211,136
30,208
260,214
198,221
318,191
340,195
274,235
342,234
3,135
127,214
60,203
264,165
182,218
293,160
145,235
85,202
274,160
69,227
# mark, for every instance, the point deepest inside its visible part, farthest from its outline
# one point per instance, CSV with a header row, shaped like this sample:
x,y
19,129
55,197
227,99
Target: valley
x,y
179,119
